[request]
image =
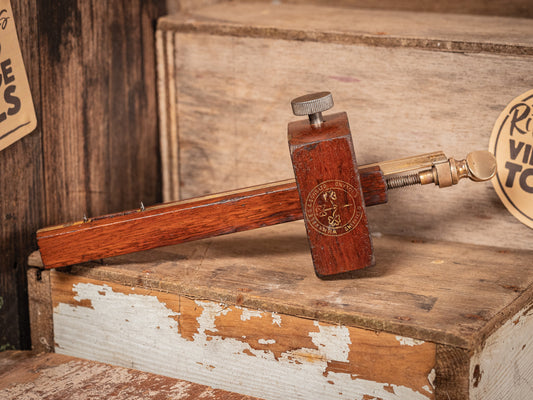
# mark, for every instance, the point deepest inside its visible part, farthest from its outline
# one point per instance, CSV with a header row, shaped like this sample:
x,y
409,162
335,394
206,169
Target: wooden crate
x,y
410,82
245,313
444,314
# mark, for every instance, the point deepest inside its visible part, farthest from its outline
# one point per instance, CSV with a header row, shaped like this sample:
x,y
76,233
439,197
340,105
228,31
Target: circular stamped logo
x,y
331,208
511,143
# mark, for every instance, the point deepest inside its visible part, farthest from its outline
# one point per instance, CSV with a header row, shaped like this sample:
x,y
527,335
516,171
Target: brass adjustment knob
x,y
481,165
313,105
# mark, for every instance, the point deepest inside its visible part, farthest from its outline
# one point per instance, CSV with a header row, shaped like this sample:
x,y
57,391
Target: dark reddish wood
x,y
179,222
331,197
374,186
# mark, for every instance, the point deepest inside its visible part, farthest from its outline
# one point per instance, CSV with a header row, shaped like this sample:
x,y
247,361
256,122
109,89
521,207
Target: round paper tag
x,y
511,143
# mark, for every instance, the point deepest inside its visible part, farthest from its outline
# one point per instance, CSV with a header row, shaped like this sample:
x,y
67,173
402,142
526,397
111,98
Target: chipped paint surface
x,y
503,369
248,314
276,319
407,341
334,340
262,354
266,341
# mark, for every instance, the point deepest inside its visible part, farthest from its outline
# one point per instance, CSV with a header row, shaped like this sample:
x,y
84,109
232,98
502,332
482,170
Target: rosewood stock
x,y
323,159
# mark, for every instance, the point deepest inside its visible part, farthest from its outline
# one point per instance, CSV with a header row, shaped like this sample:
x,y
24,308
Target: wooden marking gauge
x,y
330,193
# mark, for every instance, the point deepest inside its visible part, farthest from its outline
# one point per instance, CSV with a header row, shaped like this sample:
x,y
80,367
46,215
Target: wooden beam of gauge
x,y
183,221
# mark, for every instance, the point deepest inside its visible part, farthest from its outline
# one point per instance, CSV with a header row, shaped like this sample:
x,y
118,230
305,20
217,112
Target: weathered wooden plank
x,y
40,307
56,376
175,6
452,373
512,8
235,72
447,293
99,112
21,193
273,355
66,59
465,33
503,367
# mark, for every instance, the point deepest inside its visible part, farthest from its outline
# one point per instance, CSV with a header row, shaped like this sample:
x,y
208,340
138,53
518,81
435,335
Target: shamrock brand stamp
x,y
331,208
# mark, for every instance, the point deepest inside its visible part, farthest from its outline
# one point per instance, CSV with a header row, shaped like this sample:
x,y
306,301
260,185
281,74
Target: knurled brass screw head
x,y
312,105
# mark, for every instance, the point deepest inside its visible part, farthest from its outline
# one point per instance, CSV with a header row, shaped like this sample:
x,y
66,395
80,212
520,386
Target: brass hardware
x,y
435,168
402,165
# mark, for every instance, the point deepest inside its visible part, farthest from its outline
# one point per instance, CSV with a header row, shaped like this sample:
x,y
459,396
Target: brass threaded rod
x,y
396,182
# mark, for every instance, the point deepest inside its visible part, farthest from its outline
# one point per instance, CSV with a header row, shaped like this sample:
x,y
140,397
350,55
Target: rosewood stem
x,y
183,221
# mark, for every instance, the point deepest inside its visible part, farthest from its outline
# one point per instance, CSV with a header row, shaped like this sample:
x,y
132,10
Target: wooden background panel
x,y
232,101
99,113
21,197
91,71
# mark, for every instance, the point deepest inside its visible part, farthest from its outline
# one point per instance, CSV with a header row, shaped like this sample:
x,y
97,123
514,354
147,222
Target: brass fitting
x,y
478,166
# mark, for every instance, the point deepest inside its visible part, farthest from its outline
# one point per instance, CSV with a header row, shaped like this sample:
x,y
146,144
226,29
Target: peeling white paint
x,y
266,341
102,333
276,319
248,314
206,321
431,379
407,341
503,369
333,341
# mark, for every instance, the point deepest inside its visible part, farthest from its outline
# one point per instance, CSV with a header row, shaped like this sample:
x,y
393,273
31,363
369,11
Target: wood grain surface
x,y
410,82
97,68
503,367
512,8
452,373
40,307
383,28
21,196
179,222
331,195
24,375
